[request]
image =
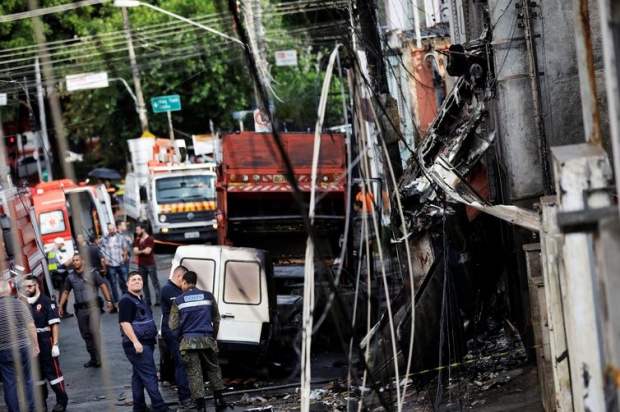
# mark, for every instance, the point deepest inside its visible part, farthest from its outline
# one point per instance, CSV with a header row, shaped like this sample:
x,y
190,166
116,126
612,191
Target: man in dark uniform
x,y
47,323
87,305
195,314
138,331
169,292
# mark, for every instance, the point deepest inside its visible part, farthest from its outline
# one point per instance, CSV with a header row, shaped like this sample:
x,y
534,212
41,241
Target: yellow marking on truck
x,y
187,207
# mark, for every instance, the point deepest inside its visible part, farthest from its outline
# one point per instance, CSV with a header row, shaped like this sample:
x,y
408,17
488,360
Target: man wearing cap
x,y
58,259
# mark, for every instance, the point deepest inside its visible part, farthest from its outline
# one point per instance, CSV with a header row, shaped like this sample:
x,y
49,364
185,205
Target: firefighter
x,y
366,197
195,314
47,322
58,259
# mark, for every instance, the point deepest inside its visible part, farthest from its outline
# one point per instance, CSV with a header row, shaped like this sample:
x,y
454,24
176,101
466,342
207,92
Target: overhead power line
x,y
50,10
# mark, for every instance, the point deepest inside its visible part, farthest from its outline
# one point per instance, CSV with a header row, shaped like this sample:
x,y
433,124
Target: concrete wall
x,y
560,95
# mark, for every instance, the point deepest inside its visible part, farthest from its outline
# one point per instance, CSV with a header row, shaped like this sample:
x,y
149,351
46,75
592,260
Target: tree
x,y
207,71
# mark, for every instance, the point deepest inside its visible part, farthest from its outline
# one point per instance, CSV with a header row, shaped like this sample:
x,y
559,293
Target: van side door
x,y
242,297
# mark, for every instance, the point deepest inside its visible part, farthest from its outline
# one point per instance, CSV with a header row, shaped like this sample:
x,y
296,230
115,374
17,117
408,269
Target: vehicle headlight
x,y
215,225
246,178
162,218
256,178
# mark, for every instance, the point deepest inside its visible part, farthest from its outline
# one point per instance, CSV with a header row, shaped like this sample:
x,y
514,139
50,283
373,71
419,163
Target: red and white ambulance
x,y
64,209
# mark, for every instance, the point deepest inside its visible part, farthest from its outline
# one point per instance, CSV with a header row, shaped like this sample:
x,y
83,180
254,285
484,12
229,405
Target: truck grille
x,y
198,216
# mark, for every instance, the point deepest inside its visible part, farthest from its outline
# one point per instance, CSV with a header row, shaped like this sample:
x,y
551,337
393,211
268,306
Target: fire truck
x,y
60,203
22,248
175,199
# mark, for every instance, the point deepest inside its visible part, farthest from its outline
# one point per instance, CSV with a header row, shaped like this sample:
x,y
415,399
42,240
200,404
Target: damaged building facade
x,y
505,216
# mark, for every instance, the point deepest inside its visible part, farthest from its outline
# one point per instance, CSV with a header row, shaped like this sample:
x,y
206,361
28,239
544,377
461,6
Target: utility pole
x,y
144,121
33,130
386,106
42,124
262,54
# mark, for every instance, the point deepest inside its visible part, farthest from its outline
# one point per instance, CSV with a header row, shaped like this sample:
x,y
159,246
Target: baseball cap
x,y
59,240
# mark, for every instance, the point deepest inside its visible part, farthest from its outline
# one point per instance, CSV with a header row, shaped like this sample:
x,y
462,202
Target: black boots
x,y
200,405
220,404
93,363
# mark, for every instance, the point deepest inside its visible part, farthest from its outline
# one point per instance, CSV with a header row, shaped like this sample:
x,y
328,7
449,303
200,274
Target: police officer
x,y
47,322
138,331
195,314
57,261
87,305
169,292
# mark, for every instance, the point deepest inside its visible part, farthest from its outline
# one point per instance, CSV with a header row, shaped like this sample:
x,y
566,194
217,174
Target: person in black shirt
x,y
169,292
47,322
138,331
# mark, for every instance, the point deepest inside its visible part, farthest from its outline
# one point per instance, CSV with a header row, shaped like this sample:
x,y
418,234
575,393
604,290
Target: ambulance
x,y
61,203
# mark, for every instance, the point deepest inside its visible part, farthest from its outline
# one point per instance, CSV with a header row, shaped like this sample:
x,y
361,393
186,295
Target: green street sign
x,y
166,103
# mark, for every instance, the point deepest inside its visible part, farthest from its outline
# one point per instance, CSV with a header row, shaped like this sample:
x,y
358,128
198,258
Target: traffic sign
x,y
166,103
262,123
85,81
286,58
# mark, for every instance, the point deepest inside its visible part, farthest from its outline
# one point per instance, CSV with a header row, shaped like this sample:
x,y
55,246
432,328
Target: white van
x,y
242,282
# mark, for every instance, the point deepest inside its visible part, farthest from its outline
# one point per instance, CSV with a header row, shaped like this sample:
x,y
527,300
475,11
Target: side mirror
x,y
5,224
143,197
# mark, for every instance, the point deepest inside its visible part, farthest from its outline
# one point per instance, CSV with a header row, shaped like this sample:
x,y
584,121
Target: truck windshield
x,y
182,189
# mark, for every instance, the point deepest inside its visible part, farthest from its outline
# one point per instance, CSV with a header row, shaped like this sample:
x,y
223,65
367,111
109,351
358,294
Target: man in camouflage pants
x,y
195,314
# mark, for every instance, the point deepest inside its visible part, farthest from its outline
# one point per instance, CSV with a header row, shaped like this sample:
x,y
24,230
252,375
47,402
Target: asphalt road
x,y
109,387
105,388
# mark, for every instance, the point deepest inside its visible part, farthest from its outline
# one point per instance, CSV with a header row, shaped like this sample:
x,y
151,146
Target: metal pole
x,y
35,137
170,125
193,23
36,152
532,60
416,22
610,29
42,126
144,121
587,78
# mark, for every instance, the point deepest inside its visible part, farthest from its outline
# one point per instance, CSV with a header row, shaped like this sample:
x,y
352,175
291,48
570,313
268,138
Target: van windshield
x,y
182,189
52,222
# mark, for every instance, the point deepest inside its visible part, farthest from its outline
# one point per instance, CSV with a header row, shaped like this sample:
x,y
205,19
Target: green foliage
x,y
208,72
301,88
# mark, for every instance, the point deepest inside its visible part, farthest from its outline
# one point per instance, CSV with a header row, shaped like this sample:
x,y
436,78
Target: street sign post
x,y
166,103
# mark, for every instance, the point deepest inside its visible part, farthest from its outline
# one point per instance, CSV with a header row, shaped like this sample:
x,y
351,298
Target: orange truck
x,y
257,207
21,250
60,203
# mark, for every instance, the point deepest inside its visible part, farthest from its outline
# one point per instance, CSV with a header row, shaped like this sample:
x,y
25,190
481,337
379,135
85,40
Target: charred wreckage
x,y
461,296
